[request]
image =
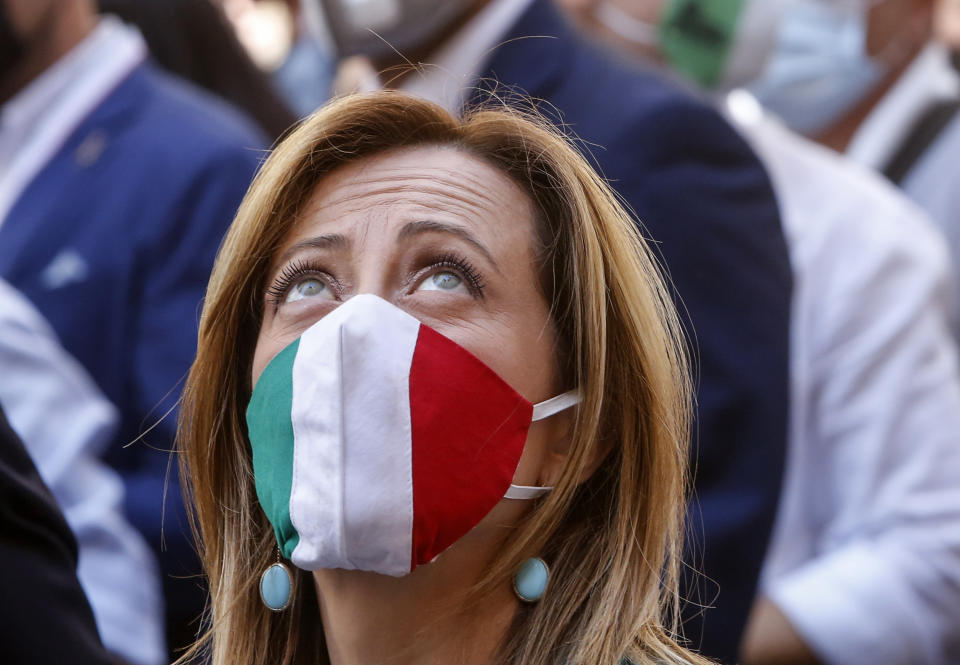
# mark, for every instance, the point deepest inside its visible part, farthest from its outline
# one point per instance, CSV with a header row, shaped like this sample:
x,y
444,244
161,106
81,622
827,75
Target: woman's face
x,y
445,237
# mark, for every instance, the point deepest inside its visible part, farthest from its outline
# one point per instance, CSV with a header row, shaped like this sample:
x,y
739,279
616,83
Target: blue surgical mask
x,y
820,69
305,79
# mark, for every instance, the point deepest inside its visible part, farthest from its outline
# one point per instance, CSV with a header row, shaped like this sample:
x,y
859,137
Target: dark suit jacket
x,y
44,615
113,242
705,199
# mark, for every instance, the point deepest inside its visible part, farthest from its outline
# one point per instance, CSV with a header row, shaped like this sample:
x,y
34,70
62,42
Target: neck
x,y
418,619
397,67
841,133
66,27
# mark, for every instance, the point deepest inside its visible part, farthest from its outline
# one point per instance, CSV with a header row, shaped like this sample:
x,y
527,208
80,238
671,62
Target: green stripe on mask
x,y
271,440
696,36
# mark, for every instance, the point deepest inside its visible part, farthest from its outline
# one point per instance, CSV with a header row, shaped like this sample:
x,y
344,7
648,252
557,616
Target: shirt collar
x,y
930,78
39,119
458,63
98,61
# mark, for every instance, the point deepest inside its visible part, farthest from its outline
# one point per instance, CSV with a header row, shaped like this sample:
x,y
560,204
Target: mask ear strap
x,y
524,492
544,409
555,405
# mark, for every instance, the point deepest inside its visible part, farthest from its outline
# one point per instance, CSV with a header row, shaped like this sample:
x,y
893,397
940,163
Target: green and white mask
x,y
718,44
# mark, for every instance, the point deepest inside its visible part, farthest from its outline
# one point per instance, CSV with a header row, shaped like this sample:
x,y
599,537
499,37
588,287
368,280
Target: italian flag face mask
x,y
377,442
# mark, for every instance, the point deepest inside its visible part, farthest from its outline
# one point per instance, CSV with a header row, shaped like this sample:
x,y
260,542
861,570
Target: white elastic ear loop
x,y
544,409
524,492
555,405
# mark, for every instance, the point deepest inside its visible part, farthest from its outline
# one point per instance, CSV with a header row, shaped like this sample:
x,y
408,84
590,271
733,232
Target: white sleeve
x,y
881,580
64,422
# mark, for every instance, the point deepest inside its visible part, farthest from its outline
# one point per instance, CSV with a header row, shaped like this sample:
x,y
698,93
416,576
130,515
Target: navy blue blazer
x,y
705,199
113,242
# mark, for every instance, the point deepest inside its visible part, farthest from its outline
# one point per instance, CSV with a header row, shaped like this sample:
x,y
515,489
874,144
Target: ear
x,y
559,436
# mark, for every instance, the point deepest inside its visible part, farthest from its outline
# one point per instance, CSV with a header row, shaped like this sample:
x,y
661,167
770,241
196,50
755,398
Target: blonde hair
x,y
612,542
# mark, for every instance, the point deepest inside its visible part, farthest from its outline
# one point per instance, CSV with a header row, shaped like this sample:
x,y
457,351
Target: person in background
x,y
65,423
193,39
704,199
868,78
117,182
45,615
869,522
305,77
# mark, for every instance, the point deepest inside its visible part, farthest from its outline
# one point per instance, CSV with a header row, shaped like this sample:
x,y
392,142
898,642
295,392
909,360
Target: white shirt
x,y
928,79
932,183
865,556
38,120
65,422
932,180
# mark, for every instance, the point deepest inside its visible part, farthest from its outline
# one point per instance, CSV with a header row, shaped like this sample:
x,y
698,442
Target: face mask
x,y
715,43
11,45
821,69
305,79
377,442
377,28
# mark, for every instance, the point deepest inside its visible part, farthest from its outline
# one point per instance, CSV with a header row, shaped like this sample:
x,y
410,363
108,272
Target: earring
x,y
531,580
276,586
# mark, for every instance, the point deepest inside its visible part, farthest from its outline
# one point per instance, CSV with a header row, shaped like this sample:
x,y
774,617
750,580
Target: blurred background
x,y
796,161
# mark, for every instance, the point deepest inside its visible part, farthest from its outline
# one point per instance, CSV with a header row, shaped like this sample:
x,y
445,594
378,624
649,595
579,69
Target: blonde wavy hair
x,y
612,541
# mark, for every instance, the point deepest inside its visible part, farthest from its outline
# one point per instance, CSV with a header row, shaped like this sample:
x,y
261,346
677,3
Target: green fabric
x,y
696,36
271,441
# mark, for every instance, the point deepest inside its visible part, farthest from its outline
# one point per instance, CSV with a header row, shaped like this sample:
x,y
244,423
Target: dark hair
x,y
193,39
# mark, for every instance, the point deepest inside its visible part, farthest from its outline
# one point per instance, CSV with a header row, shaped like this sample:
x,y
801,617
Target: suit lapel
x,y
122,103
43,219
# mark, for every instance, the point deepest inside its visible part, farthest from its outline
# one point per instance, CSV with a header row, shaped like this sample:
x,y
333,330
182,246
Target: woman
x,y
397,291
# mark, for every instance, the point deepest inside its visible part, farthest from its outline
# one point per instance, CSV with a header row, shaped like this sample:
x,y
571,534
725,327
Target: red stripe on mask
x,y
469,428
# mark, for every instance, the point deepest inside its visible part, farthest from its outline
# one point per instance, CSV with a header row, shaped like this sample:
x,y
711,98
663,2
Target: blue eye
x,y
442,281
301,280
446,280
309,287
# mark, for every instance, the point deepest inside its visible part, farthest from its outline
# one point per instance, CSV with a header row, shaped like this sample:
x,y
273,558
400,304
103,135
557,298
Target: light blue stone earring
x,y
276,586
531,580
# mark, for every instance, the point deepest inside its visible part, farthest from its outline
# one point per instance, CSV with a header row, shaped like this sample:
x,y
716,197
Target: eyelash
x,y
459,263
278,291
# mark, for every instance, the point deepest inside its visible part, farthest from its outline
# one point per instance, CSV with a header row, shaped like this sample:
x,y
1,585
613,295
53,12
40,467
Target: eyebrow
x,y
326,241
413,229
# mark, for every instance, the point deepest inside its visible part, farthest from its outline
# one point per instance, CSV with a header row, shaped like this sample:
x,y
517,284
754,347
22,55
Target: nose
x,y
374,265
373,287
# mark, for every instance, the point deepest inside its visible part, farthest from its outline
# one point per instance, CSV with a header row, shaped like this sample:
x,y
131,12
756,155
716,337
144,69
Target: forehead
x,y
431,180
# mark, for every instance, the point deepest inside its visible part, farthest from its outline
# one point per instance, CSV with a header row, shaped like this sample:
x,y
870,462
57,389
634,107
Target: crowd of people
x,y
647,350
